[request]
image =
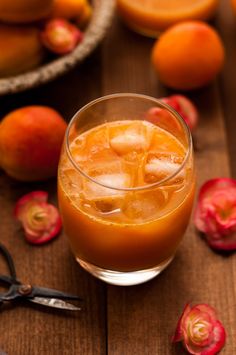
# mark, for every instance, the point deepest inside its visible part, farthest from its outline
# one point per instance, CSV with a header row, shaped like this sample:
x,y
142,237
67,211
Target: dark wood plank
x,y
142,319
30,329
226,24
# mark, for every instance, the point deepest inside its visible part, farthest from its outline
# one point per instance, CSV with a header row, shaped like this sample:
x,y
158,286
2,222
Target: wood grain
x,y
142,319
28,329
116,320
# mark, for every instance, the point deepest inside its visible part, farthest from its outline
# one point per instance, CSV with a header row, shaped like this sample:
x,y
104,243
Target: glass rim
x,y
139,96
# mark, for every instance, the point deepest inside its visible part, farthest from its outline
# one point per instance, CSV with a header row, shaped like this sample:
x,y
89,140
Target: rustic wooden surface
x,y
117,320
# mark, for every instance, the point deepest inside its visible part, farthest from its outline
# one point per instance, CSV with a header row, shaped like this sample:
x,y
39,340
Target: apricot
x,y
21,49
188,55
78,10
30,142
68,9
85,15
24,11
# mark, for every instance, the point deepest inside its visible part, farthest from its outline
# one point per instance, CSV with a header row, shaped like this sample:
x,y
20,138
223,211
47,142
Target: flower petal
x,y
215,213
179,331
219,337
200,331
184,107
37,196
40,220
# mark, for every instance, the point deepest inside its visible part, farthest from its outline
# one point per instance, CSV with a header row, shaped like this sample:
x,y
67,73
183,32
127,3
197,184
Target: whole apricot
x,y
85,15
79,10
22,49
24,11
188,55
69,9
30,142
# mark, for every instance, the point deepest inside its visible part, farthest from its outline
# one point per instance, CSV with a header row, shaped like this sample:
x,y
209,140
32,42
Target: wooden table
x,y
117,320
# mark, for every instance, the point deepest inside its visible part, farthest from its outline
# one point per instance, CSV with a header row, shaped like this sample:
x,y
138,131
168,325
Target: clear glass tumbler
x,y
126,186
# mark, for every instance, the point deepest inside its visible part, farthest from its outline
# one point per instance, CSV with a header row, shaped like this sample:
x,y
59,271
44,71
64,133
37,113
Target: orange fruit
x,y
23,49
24,11
30,142
188,55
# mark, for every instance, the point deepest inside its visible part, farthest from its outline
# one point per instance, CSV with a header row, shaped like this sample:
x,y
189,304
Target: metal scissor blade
x,y
55,303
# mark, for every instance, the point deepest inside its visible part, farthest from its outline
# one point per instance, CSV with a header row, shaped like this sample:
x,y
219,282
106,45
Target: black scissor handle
x,y
9,261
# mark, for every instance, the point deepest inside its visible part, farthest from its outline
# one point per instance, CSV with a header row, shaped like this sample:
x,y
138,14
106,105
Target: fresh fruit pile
x,y
31,28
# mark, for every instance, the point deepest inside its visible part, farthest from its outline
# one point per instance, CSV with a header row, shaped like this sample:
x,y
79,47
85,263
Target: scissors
x,y
41,295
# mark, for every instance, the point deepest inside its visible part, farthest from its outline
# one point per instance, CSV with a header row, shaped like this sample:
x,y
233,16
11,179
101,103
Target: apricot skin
x,y
22,49
30,143
78,10
188,55
68,9
24,11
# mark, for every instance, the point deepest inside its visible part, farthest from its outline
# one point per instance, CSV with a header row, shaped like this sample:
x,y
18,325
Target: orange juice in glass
x,y
150,17
126,186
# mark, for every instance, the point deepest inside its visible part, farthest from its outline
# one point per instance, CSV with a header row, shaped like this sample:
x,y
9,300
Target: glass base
x,y
120,278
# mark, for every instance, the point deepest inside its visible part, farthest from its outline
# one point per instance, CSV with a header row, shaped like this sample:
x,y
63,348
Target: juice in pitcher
x,y
125,187
150,17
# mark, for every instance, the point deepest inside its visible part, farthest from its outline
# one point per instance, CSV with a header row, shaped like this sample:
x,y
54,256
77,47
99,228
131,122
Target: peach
x,y
22,49
79,10
188,55
30,142
24,11
69,9
85,15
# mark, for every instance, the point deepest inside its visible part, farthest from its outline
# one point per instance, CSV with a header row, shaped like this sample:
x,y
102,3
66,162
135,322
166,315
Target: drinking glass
x,y
126,186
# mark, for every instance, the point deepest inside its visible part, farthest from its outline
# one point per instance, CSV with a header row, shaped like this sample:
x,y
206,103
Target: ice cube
x,y
94,191
159,168
128,141
72,182
78,150
145,206
106,200
135,137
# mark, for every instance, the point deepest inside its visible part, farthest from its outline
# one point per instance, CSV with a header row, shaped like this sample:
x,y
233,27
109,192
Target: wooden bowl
x,y
99,23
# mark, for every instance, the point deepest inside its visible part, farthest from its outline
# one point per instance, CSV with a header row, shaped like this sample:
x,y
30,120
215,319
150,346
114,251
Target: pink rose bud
x,y
60,36
41,221
200,331
215,214
185,108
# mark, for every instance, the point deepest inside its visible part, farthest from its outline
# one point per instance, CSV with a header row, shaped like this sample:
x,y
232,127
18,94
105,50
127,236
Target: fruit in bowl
x,y
93,21
24,11
26,41
60,36
23,49
78,10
